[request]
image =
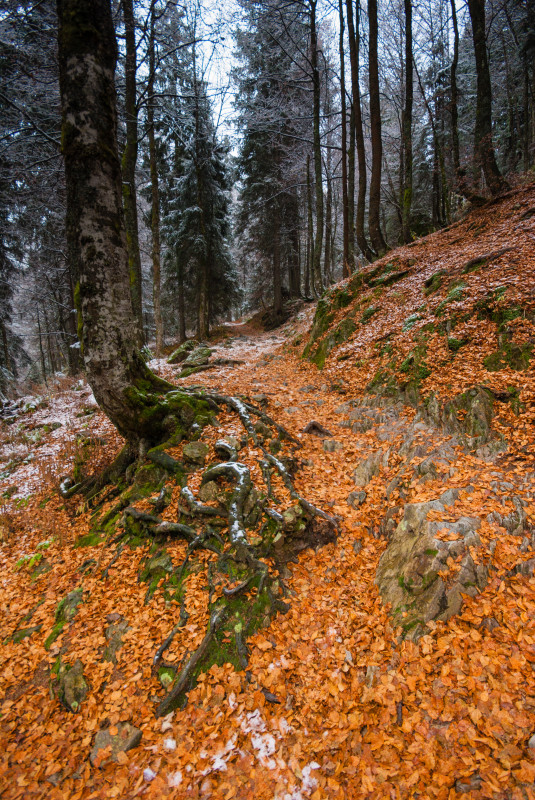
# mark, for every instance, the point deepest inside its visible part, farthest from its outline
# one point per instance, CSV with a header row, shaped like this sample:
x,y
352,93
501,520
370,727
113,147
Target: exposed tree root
x,y
255,592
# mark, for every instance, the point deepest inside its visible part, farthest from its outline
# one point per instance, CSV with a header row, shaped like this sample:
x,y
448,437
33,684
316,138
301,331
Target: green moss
x,y
510,355
434,282
65,613
414,366
455,293
368,314
25,633
91,539
455,344
410,322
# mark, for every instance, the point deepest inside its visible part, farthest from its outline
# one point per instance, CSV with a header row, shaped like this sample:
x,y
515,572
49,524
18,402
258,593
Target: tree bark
x,y
129,162
407,128
123,386
318,177
345,217
353,29
155,190
483,131
374,220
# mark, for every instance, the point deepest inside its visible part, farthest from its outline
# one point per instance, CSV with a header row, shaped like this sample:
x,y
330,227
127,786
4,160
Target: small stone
x,y
196,452
332,446
489,624
357,546
356,499
72,688
531,742
126,738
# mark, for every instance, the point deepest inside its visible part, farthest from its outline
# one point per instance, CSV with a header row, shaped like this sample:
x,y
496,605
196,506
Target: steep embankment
x,y
404,666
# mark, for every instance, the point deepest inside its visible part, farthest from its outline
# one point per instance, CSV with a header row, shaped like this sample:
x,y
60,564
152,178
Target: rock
x,y
332,446
367,469
291,410
357,546
408,572
65,613
198,357
356,499
260,399
316,429
71,688
182,352
515,522
531,742
489,624
126,738
449,497
114,637
196,452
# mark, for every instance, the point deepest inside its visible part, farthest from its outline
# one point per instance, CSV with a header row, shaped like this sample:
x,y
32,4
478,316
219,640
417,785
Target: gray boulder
x,y
126,738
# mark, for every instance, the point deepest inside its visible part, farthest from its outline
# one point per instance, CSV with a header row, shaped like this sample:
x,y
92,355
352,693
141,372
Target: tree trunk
x,y
407,128
353,29
122,384
318,177
277,278
129,162
346,269
483,131
376,235
155,197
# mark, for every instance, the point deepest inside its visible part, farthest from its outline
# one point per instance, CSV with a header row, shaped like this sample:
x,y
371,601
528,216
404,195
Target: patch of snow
x,y
149,774
174,779
169,745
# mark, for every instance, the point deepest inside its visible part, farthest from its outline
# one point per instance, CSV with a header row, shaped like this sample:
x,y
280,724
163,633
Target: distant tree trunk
x,y
181,305
407,127
294,264
129,162
123,386
454,97
374,220
351,188
310,232
277,277
155,189
353,29
483,131
318,176
346,269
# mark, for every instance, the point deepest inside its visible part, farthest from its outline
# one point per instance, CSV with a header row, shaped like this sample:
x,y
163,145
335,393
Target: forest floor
x,y
335,703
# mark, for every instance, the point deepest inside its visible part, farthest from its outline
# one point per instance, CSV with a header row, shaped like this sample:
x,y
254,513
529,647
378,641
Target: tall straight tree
x,y
124,387
343,112
129,162
483,132
374,220
406,203
155,188
318,172
353,30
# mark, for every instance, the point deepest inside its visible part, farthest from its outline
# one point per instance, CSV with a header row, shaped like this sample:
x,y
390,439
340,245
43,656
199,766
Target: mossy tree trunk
x,y
122,384
318,172
155,189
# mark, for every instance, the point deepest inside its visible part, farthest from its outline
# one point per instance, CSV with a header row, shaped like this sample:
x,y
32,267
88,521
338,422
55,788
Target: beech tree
x,y
124,387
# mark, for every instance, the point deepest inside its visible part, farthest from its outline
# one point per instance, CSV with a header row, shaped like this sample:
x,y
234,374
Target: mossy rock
x,y
454,345
182,352
410,322
25,633
434,282
415,366
65,613
510,355
494,308
368,314
196,452
390,278
455,294
114,634
340,298
323,319
198,357
91,539
70,686
156,567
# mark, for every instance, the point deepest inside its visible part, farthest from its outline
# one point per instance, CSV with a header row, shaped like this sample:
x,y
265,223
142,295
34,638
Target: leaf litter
x,y
355,711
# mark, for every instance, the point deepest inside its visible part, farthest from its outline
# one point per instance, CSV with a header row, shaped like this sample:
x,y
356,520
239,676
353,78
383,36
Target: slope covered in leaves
x,y
337,701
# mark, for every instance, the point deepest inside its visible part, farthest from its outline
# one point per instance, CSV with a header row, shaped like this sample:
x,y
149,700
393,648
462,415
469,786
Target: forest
x,y
267,150
267,397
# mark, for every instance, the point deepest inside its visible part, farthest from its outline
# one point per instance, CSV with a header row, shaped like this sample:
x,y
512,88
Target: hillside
x,y
396,655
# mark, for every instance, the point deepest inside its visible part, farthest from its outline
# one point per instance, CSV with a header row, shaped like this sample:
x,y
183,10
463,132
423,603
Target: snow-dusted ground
x,y
40,445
